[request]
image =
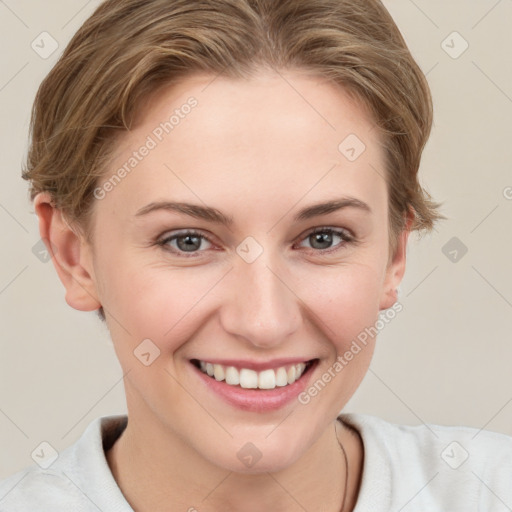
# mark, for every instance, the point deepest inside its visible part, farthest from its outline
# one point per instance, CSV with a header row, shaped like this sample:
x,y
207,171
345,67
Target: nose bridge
x,y
262,308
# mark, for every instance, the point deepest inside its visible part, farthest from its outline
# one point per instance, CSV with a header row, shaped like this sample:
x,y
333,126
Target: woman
x,y
231,185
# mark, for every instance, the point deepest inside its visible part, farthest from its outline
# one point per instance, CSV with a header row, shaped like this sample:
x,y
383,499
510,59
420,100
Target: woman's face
x,y
259,294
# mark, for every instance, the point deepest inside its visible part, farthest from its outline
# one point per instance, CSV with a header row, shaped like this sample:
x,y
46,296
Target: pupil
x,y
190,244
323,238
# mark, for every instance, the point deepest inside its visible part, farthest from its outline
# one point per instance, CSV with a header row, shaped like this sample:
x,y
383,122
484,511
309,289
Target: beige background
x,y
444,359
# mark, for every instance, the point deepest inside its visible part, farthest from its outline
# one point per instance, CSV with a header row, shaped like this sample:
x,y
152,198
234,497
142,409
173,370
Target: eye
x,y
189,243
322,239
184,242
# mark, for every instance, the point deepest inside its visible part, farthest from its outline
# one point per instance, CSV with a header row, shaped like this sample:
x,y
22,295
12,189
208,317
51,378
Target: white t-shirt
x,y
425,468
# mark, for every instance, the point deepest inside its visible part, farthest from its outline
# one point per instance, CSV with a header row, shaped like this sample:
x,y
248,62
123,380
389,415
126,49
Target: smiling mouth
x,y
250,379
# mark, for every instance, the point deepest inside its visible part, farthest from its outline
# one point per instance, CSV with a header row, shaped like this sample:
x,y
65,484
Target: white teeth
x,y
292,372
250,379
281,377
232,376
267,379
218,372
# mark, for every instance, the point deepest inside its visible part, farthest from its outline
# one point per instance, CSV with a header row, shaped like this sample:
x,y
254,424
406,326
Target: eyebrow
x,y
213,215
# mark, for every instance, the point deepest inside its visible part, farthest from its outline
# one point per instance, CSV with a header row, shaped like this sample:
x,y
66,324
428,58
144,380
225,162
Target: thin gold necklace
x,y
346,471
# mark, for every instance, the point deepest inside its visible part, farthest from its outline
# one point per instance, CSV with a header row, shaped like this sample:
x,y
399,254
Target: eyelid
x,y
347,233
173,235
347,236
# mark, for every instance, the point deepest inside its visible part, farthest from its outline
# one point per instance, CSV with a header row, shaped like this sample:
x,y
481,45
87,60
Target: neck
x,y
156,475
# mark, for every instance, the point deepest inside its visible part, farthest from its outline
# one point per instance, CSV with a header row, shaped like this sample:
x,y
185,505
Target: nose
x,y
262,307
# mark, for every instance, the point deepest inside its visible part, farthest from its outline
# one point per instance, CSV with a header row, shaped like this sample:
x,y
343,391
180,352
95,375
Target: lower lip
x,y
257,400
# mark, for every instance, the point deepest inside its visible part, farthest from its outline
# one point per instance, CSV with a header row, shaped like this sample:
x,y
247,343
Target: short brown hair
x,y
128,49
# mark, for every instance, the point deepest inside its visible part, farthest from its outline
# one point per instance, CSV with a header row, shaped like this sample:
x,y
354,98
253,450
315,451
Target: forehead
x,y
275,135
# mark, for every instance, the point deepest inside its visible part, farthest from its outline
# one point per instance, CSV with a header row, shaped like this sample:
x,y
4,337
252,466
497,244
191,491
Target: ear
x,y
71,255
396,267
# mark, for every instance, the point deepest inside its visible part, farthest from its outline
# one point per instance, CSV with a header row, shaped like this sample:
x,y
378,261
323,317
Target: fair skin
x,y
259,153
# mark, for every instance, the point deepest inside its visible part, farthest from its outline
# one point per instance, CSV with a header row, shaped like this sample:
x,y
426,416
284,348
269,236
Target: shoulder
x,y
79,479
34,487
447,466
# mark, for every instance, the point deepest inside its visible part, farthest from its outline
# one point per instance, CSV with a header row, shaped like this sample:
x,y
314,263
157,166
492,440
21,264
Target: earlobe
x,y
396,269
69,253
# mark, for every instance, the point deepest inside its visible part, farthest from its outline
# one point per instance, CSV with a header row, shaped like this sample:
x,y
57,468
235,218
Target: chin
x,y
241,455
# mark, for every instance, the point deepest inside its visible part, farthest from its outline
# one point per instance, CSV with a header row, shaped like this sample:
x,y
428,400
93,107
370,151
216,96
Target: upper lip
x,y
257,365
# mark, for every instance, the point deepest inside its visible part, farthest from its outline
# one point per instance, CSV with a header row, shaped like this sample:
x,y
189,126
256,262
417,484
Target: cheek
x,y
157,302
168,305
345,307
345,300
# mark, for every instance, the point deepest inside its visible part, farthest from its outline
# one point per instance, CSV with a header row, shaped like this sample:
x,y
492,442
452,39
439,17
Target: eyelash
x,y
346,237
